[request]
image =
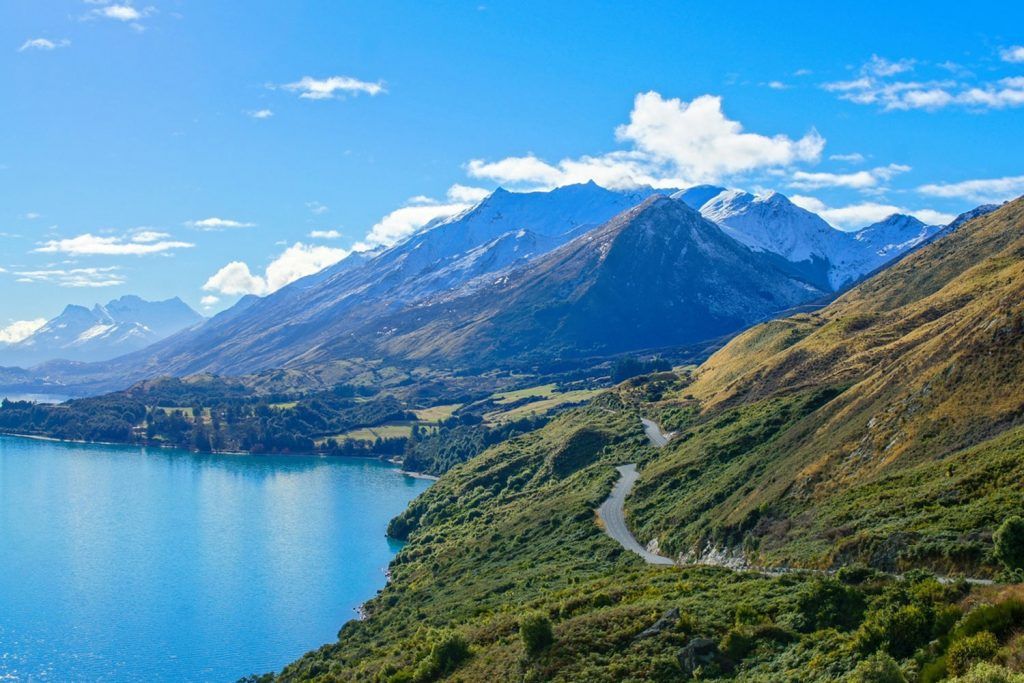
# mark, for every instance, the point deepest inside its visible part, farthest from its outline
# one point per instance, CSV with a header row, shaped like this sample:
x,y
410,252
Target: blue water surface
x,y
130,564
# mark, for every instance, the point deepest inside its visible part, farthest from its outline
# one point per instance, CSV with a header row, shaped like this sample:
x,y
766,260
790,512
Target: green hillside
x,y
881,433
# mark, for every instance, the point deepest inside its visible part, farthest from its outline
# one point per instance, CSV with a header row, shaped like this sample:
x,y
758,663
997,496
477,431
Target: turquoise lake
x,y
130,564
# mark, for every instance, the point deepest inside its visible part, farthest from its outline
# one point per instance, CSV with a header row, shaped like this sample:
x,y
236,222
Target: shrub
x,y
985,672
899,631
445,656
1000,619
878,668
827,603
535,630
1009,543
968,651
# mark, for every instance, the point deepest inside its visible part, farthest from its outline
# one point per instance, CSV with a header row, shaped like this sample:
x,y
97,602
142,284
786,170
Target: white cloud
x,y
261,114
982,190
859,180
43,44
209,301
854,158
467,194
31,216
325,234
19,330
860,215
879,66
316,208
776,85
673,144
138,244
404,221
295,262
215,223
333,87
74,277
1014,54
873,86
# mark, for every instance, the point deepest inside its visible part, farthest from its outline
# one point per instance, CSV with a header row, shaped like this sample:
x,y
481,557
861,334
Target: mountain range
x,y
575,271
839,456
102,332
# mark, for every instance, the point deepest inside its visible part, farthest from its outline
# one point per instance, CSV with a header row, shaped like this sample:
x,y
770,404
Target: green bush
x,y
968,651
827,603
1000,619
1009,543
878,668
535,630
445,656
985,672
899,631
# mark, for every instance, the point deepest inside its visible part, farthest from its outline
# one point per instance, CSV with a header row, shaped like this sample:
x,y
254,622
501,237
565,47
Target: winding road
x,y
613,515
614,518
611,511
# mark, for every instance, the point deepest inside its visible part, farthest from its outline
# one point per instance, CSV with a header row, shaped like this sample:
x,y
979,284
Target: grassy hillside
x,y
886,427
883,432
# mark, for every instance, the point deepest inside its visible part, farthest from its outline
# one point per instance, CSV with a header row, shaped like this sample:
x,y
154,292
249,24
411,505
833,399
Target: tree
x,y
535,630
1009,543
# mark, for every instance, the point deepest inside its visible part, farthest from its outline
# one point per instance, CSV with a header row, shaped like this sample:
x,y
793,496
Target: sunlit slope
x,y
883,427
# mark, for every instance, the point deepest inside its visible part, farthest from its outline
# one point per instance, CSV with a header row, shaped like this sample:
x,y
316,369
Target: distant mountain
x,y
418,298
894,235
102,332
656,275
829,257
295,324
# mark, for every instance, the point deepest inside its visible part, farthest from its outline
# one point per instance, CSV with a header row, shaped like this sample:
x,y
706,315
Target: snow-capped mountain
x,y
104,331
827,256
894,235
468,270
295,324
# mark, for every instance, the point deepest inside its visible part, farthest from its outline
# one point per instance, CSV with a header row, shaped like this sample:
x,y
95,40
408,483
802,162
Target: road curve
x,y
657,437
614,518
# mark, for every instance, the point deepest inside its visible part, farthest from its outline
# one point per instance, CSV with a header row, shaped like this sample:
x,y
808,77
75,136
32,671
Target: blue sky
x,y
204,149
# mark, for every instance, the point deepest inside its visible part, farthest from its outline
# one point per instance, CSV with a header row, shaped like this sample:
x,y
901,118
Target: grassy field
x,y
436,413
541,391
550,401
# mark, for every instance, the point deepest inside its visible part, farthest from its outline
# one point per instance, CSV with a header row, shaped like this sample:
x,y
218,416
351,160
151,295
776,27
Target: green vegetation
x,y
535,631
1009,543
883,433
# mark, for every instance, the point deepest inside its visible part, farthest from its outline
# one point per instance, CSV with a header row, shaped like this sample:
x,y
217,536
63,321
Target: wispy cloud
x,y
672,143
214,223
43,44
125,12
209,301
137,244
860,215
74,277
20,330
980,190
854,158
333,87
1013,54
325,235
260,114
874,86
860,180
316,208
